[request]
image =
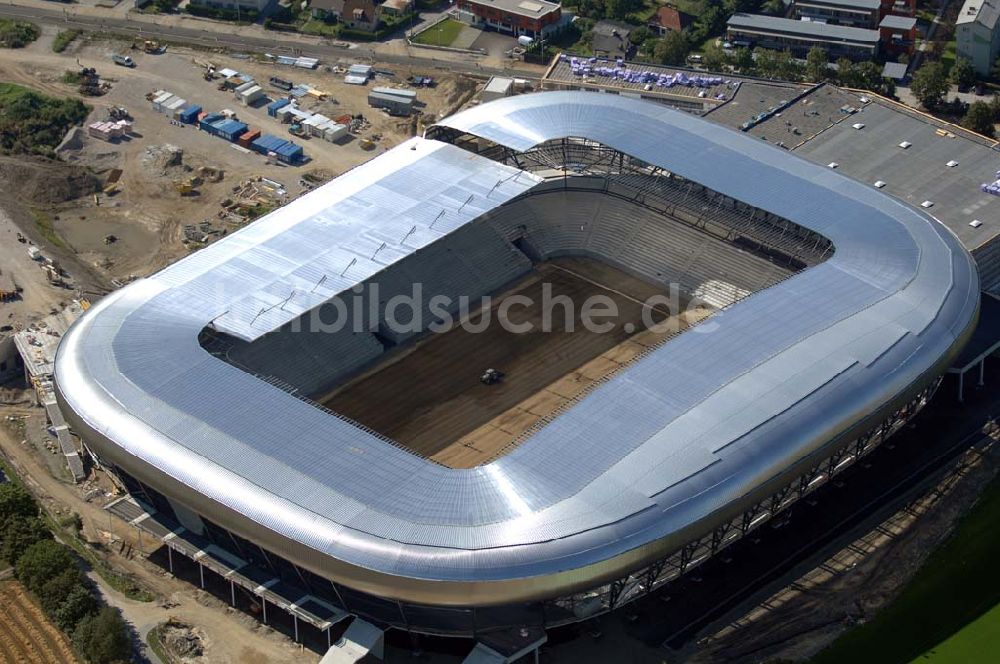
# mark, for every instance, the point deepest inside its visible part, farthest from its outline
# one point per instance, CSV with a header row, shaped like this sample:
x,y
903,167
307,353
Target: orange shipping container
x,y
249,137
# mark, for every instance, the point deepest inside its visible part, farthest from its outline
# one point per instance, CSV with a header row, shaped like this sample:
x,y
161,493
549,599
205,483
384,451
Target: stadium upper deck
x,y
676,443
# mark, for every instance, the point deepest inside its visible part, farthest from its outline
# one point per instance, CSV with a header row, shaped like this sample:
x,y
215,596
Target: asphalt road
x,y
213,38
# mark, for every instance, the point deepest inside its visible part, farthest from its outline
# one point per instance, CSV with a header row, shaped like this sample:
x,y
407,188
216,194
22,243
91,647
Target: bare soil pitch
x,y
429,397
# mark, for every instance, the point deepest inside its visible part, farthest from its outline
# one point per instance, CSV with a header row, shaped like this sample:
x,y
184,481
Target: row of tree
x,y
52,573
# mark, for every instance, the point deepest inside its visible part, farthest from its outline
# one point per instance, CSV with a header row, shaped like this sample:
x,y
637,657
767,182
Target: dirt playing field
x,y
429,396
26,635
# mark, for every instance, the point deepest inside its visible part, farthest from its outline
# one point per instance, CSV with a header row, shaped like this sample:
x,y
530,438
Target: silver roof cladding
x,y
687,431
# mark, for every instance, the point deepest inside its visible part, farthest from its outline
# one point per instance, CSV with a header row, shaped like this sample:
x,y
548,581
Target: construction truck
x,y
153,47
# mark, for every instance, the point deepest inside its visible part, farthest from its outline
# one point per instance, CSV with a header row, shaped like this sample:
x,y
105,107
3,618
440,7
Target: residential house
x,y
611,39
668,19
977,34
357,14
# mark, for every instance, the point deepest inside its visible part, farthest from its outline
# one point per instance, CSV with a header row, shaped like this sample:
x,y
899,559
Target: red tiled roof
x,y
670,18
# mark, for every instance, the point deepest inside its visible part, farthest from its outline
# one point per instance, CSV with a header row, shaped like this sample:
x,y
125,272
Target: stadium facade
x,y
192,386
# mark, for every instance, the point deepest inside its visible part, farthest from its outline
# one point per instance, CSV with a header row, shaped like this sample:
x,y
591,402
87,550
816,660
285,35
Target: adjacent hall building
x,y
977,33
531,18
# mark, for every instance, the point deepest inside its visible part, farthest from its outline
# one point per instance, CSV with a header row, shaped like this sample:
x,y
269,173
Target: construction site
x,y
163,186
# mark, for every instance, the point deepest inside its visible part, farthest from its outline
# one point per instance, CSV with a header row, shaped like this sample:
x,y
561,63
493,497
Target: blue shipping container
x,y
229,129
290,153
268,143
190,114
272,108
206,122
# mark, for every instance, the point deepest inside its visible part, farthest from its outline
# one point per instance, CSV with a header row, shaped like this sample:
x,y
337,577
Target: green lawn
x,y
948,55
440,34
969,645
949,612
320,28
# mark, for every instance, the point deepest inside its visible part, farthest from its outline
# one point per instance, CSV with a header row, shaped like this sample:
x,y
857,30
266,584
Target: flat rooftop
x,y
678,82
529,8
806,29
850,4
819,126
920,172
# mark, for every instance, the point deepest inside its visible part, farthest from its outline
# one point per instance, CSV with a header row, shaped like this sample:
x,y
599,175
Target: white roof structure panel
x,y
347,233
685,432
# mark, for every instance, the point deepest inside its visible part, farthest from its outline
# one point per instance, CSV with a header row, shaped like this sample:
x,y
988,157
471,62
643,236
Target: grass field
x,y
440,34
978,637
949,612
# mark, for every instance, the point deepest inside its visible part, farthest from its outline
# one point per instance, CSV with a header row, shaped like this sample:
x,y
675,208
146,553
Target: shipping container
x,y
251,95
248,137
267,143
229,129
190,114
276,105
395,104
290,153
205,123
335,132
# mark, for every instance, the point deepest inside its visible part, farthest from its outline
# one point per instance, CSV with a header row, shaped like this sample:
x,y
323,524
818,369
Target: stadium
x,y
369,471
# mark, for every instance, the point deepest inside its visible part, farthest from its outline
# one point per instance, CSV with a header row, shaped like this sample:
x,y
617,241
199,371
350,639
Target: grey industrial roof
x,y
316,247
690,431
893,22
920,172
894,70
851,4
809,29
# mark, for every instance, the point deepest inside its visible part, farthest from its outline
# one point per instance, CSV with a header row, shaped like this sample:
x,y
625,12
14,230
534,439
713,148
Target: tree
x,y
742,60
621,8
765,62
962,74
995,106
103,638
817,65
55,590
773,7
671,50
930,84
78,604
16,503
979,119
865,76
715,59
776,64
19,534
42,561
639,35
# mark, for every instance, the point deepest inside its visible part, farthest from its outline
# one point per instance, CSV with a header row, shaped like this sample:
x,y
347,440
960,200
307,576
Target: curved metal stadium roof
x,y
693,430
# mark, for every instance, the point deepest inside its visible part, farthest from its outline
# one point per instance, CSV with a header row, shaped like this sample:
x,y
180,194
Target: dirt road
x,y
230,638
38,297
